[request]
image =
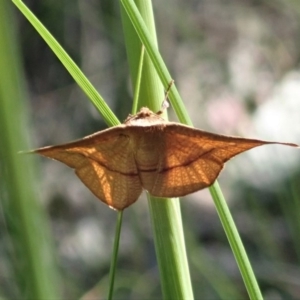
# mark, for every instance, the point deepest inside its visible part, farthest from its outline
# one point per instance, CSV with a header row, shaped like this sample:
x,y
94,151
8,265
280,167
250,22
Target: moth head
x,y
145,117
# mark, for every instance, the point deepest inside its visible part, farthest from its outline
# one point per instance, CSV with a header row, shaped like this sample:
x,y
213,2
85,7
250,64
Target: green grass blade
x,y
70,65
138,82
114,258
170,248
26,222
236,243
165,213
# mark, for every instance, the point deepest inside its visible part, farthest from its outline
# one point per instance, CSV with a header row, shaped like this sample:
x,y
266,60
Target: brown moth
x,y
147,152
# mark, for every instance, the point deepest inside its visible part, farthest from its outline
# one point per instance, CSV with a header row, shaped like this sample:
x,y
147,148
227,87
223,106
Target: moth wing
x,y
105,164
194,159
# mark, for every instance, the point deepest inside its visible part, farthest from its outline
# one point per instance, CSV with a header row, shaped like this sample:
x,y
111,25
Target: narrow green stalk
x,y
165,213
138,85
235,243
170,248
113,265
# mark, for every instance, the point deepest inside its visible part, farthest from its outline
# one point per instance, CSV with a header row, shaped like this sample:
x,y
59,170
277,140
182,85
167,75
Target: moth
x,y
167,159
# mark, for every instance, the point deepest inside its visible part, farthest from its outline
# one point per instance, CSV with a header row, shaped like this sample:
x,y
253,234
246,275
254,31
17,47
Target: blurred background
x,y
236,65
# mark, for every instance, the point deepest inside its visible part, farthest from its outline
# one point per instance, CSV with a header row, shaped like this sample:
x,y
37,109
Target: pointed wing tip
x,y
39,151
26,152
289,144
278,143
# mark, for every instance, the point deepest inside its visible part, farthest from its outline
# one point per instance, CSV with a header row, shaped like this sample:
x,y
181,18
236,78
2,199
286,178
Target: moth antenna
x,y
165,104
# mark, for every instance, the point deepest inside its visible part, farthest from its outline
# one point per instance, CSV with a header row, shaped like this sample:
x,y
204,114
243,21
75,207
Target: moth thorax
x,y
147,152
